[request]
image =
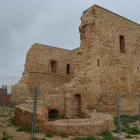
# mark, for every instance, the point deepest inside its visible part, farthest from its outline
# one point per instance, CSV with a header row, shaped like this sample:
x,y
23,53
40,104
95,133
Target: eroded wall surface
x,y
38,72
101,67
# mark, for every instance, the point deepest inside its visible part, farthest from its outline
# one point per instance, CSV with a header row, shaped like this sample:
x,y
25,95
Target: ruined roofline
x,y
56,47
112,13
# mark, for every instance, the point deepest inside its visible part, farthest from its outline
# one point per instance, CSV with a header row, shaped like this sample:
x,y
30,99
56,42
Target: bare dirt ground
x,y
9,130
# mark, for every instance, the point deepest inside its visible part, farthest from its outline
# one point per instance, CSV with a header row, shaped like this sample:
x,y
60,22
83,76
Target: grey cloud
x,y
50,22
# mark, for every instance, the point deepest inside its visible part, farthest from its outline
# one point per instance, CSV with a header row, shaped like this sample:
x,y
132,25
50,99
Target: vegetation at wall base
x,y
49,135
85,138
64,136
125,120
12,121
25,129
107,135
5,137
128,137
57,118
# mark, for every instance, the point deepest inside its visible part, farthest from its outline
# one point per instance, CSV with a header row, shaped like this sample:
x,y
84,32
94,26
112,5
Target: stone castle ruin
x,y
76,83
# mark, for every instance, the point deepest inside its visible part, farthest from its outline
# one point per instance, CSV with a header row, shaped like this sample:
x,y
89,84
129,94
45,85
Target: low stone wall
x,y
97,124
80,127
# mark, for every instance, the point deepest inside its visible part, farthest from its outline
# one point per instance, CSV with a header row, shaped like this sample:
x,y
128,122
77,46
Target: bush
x,y
43,139
107,135
4,138
49,135
64,136
133,131
128,137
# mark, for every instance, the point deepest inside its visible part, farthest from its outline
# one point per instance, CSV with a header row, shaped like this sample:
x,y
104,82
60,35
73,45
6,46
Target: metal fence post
x,y
139,109
34,114
119,126
4,88
99,102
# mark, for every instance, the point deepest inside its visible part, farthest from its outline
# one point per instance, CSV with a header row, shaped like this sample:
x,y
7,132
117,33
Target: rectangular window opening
x,y
137,69
68,69
98,62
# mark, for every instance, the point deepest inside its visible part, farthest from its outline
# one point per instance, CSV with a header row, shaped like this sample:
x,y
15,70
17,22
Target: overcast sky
x,y
50,22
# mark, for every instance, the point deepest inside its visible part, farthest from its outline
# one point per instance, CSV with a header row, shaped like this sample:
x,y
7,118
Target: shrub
x,y
107,135
49,135
64,136
128,137
43,139
133,131
4,138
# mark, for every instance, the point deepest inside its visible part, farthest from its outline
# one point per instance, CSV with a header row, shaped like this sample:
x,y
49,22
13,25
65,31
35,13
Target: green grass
x,y
12,121
9,125
25,129
49,135
128,137
85,138
57,118
134,131
5,137
107,135
64,136
43,139
125,120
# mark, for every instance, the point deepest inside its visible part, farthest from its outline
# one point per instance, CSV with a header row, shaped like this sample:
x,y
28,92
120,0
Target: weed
x,y
9,125
43,139
128,137
85,138
64,136
24,129
4,138
107,135
11,106
9,137
58,118
49,135
115,131
12,121
4,133
134,131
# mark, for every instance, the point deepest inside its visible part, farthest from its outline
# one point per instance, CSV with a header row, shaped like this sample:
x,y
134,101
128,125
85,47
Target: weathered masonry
x,y
73,82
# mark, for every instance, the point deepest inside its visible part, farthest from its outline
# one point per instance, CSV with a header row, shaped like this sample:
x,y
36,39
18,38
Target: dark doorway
x,y
53,113
77,106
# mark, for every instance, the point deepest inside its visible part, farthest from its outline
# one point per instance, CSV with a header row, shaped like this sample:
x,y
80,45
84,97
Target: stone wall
x,y
100,66
37,68
97,124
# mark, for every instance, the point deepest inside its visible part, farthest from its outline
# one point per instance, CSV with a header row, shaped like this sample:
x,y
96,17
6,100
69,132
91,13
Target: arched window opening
x,y
68,69
53,67
53,113
122,44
